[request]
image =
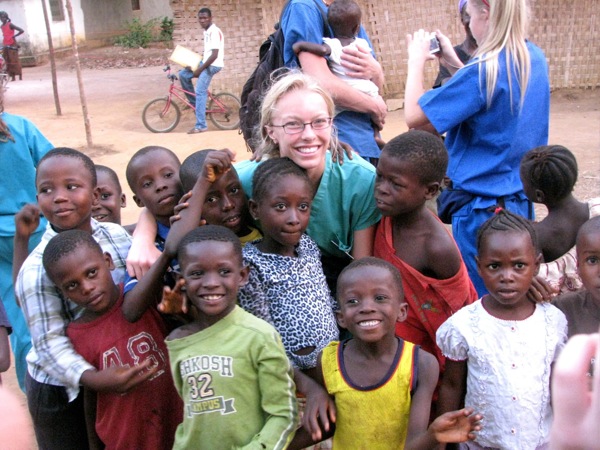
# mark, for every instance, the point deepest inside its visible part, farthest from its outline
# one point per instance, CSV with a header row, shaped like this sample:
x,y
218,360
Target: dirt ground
x,y
118,83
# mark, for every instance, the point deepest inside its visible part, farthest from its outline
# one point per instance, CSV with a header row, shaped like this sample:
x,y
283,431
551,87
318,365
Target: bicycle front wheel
x,y
161,115
225,111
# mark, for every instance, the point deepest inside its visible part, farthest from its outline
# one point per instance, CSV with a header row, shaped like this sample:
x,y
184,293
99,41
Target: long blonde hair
x,y
293,80
507,29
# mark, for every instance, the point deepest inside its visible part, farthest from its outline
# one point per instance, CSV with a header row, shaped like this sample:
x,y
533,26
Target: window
x,y
135,5
57,10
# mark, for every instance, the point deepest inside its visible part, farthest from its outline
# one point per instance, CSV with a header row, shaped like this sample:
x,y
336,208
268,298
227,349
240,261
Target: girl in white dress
x,y
500,349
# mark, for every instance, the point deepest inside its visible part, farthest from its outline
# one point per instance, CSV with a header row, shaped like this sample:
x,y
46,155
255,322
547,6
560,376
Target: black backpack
x,y
270,66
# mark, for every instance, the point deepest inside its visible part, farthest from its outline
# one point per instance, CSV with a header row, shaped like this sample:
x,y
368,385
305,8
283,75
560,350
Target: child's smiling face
x,y
213,273
370,303
65,193
111,200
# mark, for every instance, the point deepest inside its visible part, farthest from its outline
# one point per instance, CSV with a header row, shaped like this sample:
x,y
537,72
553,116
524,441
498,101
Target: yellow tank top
x,y
373,417
252,236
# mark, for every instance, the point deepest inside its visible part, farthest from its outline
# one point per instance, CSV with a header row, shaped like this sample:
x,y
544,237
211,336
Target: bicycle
x,y
162,114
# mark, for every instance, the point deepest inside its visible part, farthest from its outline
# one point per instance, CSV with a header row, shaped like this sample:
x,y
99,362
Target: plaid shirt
x,y
52,359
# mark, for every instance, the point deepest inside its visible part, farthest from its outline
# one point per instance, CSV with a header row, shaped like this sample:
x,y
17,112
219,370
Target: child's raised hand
x,y
119,379
216,164
27,220
337,154
540,291
181,206
456,426
174,300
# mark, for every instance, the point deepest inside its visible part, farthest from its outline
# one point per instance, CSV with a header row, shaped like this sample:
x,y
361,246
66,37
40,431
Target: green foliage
x,y
141,34
167,26
138,35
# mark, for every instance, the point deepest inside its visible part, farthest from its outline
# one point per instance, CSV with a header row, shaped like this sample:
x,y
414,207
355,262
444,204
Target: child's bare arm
x,y
147,291
312,47
427,377
454,386
4,350
26,222
19,30
320,414
118,378
363,242
143,253
453,426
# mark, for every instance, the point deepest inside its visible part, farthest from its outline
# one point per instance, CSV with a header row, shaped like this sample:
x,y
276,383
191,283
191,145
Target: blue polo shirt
x,y
302,21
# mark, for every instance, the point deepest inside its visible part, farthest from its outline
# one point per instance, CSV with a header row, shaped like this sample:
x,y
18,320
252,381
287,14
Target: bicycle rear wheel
x,y
161,115
225,111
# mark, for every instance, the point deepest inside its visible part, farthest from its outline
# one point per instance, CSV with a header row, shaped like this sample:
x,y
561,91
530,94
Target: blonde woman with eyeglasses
x,y
296,121
494,109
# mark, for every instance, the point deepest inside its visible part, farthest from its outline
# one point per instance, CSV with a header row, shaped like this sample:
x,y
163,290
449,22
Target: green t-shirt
x,y
236,384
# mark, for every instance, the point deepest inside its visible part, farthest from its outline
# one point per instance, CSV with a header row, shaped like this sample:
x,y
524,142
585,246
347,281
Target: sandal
x,y
197,130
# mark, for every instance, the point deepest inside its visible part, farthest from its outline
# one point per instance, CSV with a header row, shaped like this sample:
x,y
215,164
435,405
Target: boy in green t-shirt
x,y
229,367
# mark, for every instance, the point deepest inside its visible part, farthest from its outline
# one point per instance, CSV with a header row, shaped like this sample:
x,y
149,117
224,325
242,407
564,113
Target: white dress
x,y
508,378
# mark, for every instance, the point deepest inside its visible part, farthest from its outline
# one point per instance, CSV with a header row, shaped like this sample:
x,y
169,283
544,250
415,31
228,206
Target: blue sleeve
x,y
129,283
301,21
457,100
37,142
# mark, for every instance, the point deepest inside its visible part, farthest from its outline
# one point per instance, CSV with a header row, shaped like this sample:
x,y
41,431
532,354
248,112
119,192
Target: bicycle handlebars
x,y
170,75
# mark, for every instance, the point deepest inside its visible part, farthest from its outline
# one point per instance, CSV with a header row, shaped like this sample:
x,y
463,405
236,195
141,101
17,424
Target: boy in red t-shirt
x,y
147,416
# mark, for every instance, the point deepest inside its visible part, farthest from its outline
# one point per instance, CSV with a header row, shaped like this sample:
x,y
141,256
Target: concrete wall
x,y
28,15
95,21
107,18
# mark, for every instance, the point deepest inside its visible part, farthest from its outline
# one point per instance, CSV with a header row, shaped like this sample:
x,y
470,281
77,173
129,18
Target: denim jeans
x,y
185,76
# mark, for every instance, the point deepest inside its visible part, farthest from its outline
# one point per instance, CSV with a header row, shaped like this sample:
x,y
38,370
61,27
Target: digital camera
x,y
434,45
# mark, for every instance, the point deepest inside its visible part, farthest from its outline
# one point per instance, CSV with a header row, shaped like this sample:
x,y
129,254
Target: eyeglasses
x,y
298,127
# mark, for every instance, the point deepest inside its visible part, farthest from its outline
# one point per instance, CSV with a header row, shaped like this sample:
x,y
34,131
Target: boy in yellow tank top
x,y
381,384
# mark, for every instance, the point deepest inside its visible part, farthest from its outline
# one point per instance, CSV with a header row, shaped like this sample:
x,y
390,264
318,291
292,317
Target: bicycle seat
x,y
172,77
